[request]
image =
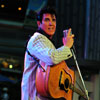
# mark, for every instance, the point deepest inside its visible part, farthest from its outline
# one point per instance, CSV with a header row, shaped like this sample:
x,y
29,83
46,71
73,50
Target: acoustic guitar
x,y
56,82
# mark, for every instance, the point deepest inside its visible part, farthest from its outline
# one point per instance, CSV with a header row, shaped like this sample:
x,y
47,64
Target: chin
x,y
51,34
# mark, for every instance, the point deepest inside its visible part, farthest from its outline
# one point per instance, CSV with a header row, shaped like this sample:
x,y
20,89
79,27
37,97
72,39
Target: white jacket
x,y
42,48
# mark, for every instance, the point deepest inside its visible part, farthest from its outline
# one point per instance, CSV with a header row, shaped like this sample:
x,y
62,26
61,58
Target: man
x,y
42,49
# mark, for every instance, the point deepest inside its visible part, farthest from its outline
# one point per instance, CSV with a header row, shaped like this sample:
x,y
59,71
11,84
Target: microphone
x,y
65,32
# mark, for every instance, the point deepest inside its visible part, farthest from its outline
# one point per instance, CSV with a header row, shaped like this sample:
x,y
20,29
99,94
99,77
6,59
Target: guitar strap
x,y
37,61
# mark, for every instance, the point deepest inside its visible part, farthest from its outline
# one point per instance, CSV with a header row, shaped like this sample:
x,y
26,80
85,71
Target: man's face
x,y
48,24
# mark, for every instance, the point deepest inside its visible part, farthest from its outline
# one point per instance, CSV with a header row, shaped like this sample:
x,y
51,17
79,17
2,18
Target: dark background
x,y
82,16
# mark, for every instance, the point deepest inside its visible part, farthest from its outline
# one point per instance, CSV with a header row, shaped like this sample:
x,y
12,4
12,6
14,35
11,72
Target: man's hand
x,y
68,40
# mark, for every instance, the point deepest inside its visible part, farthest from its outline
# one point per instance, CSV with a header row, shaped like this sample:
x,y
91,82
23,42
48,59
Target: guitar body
x,y
55,81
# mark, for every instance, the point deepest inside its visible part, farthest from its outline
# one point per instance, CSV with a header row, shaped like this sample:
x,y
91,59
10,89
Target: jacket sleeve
x,y
42,48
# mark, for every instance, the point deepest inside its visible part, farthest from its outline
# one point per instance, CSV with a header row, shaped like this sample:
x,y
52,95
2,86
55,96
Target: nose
x,y
50,23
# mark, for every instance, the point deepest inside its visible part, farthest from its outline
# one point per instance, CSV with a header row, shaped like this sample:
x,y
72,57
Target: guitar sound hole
x,y
66,83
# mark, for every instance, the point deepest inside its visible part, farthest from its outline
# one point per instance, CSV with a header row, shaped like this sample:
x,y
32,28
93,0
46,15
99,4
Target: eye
x,y
46,19
54,20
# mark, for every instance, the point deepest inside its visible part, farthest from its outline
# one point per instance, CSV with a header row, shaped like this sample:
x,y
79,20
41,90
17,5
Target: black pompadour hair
x,y
45,10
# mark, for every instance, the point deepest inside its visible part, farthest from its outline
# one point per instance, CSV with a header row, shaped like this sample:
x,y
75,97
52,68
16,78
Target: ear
x,y
38,23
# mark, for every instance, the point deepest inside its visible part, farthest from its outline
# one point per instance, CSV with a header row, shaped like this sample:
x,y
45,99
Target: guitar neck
x,y
73,88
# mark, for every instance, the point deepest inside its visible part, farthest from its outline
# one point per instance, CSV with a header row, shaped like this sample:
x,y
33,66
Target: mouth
x,y
51,29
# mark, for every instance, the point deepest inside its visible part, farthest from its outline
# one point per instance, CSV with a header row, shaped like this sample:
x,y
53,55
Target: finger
x,y
72,35
69,32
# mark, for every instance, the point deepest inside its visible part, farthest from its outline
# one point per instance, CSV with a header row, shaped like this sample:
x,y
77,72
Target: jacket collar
x,y
44,33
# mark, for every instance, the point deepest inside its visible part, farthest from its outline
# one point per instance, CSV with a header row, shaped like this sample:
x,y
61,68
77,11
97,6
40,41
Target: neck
x,y
44,33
